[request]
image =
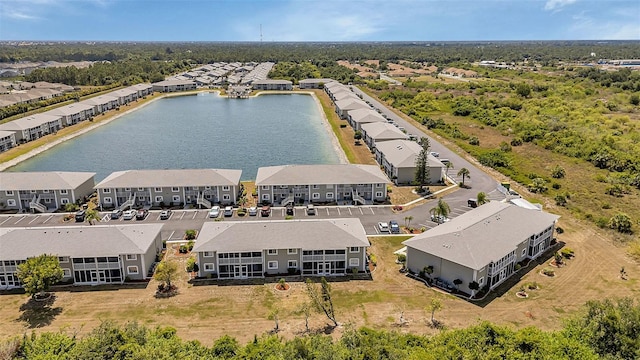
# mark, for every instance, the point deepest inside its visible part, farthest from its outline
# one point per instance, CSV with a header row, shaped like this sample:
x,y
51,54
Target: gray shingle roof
x,y
49,180
100,100
272,81
482,235
29,122
281,234
320,174
403,153
77,241
351,104
364,116
383,131
171,177
70,109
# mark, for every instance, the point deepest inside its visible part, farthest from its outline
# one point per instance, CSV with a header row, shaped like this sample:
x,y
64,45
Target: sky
x,y
312,20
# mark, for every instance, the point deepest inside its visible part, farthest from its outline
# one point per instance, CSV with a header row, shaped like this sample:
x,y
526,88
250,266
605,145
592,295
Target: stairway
x,y
287,200
202,201
36,205
357,198
129,203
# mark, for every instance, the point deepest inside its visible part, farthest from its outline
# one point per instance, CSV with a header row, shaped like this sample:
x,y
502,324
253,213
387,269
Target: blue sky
x,y
328,20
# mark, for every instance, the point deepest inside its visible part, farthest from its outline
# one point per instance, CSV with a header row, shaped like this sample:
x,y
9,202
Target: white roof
x,y
29,122
320,175
46,180
171,177
70,109
403,153
383,131
365,116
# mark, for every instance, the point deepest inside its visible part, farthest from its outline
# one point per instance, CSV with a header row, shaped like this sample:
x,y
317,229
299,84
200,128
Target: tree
x,y
621,222
407,220
474,286
448,165
457,283
274,315
441,211
91,216
357,135
435,305
464,172
166,271
321,299
305,310
634,100
482,198
37,274
523,90
422,176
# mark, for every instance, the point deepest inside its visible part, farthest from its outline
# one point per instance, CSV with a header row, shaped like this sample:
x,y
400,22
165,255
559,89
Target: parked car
x,y
214,212
439,219
434,154
265,211
445,161
228,211
311,210
383,227
165,214
253,211
394,228
473,203
142,214
129,214
115,214
80,215
289,209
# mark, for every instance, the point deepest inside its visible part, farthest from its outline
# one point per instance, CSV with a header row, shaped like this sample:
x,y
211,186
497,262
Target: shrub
x,y
190,235
504,147
190,245
558,172
559,230
560,200
602,222
474,141
342,126
288,217
548,272
556,186
354,270
516,141
567,253
191,264
373,259
402,258
621,222
183,249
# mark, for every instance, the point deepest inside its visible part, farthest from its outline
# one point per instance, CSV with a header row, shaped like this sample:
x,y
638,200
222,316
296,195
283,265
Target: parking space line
x,y
47,219
194,215
181,216
361,212
22,218
376,229
328,211
158,218
34,219
338,210
171,235
104,218
9,218
372,213
349,211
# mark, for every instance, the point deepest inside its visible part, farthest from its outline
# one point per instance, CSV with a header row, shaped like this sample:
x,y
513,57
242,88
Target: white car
x,y
439,219
253,211
214,212
383,227
434,154
228,211
129,214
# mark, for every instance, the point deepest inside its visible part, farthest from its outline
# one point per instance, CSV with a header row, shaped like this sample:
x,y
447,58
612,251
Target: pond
x,y
200,131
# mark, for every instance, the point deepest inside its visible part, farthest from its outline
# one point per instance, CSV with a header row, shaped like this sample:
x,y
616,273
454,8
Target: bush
x,y
474,141
342,126
183,249
190,245
567,253
402,258
561,200
354,270
190,235
556,186
516,141
558,172
504,147
559,230
373,259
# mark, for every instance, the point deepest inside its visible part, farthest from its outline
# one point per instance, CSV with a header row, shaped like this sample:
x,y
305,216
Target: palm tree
x,y
464,172
448,165
91,216
407,220
441,211
482,198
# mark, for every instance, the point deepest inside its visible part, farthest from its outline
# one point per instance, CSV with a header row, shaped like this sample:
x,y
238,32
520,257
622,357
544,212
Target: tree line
x,y
606,329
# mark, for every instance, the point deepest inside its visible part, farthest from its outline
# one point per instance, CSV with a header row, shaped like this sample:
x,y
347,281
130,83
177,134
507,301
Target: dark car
x,y
473,203
394,228
265,211
290,209
115,214
80,215
142,214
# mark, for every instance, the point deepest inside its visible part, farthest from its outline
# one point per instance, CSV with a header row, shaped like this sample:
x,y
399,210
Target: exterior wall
x,y
202,260
282,257
7,142
137,262
154,196
321,193
356,258
150,256
443,269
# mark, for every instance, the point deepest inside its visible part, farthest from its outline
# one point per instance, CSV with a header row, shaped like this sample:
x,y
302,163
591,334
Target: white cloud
x,y
18,15
586,27
556,5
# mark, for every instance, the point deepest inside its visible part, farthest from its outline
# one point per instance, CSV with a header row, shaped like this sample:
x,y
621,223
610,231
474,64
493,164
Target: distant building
x,y
272,84
313,83
174,85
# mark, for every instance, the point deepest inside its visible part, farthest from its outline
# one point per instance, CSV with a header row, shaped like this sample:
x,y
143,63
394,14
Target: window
x,y
141,189
45,191
132,270
106,191
207,187
292,251
283,186
315,196
354,249
272,252
9,192
141,198
272,265
176,198
132,257
378,193
225,188
292,264
265,187
354,262
481,281
64,192
524,252
208,254
66,273
127,189
175,189
158,189
265,196
329,195
63,259
108,200
329,186
226,197
379,185
209,267
11,202
34,191
64,201
159,199
47,201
